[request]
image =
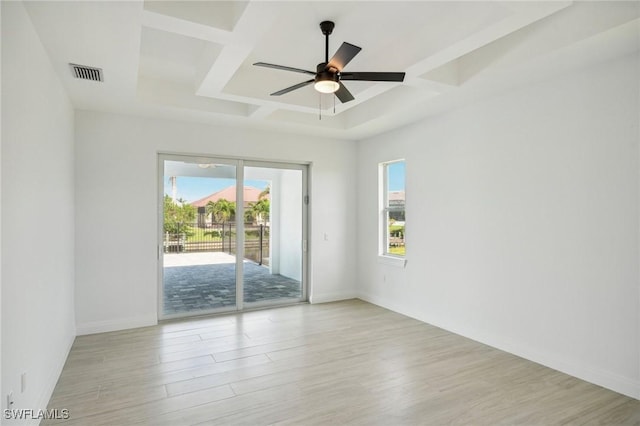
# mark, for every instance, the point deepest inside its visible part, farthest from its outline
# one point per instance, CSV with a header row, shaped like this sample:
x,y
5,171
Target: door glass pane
x,y
273,213
199,262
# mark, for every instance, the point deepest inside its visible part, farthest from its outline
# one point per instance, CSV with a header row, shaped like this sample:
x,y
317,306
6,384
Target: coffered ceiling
x,y
192,60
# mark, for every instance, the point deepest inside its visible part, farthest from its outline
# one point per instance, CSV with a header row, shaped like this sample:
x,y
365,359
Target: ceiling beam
x,y
256,20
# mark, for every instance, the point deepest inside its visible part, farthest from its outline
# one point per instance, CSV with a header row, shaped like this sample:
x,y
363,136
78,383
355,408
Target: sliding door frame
x,y
240,164
304,169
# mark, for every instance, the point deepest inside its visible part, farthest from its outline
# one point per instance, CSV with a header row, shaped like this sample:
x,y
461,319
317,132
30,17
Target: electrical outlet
x,y
10,400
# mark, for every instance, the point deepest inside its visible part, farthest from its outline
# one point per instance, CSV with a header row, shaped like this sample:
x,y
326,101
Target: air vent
x,y
86,73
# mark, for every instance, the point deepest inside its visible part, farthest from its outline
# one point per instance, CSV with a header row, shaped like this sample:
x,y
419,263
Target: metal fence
x,y
220,237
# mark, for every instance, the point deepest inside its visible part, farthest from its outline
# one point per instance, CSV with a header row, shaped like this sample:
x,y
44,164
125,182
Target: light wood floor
x,y
338,363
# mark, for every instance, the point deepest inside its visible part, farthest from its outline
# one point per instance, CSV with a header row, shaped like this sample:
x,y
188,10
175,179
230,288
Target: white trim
x,y
239,235
382,233
93,327
160,234
306,235
383,206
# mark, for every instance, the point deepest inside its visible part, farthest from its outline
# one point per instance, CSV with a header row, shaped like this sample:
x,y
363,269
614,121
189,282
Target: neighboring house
x,y
250,195
396,199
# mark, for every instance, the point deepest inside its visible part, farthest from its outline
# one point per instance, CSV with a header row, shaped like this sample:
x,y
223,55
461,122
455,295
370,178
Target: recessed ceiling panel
x,y
217,14
172,57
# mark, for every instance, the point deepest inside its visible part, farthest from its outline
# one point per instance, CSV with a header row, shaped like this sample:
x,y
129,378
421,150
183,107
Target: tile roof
x,y
396,196
251,195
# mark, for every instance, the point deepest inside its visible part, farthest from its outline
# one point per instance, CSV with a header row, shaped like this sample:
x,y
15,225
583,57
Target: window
x,y
392,211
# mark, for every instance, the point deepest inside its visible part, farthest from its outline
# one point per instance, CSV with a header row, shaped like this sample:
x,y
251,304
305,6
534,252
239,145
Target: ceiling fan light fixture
x,y
326,86
326,81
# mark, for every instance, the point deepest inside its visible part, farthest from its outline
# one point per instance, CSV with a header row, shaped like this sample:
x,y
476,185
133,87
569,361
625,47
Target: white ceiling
x,y
192,60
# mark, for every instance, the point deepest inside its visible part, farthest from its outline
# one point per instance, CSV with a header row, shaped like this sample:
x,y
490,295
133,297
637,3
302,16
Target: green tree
x,y
265,192
221,210
209,208
259,211
178,217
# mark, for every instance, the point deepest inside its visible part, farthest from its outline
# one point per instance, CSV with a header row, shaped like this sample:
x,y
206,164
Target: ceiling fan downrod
x,y
327,28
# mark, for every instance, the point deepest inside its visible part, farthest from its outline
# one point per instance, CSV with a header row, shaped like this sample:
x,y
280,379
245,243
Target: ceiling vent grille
x,y
86,73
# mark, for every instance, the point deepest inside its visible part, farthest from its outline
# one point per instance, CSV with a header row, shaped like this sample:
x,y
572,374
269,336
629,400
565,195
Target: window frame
x,y
385,209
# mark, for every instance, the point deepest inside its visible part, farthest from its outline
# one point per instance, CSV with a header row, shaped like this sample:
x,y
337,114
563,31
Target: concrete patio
x,y
205,281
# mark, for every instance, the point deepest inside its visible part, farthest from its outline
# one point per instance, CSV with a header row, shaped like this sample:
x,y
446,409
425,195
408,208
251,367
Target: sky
x,y
195,188
397,176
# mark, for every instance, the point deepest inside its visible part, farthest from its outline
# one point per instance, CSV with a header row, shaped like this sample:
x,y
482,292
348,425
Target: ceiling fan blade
x,y
283,68
343,56
343,94
292,88
372,76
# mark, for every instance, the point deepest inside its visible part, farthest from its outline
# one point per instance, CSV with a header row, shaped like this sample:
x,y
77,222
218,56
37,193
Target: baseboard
x,y
115,325
575,368
331,297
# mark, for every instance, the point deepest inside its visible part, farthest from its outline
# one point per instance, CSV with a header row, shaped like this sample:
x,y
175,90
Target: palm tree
x,y
249,215
209,209
265,192
174,188
221,210
260,210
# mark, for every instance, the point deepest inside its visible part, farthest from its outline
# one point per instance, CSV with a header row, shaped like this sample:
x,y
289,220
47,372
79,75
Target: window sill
x,y
398,262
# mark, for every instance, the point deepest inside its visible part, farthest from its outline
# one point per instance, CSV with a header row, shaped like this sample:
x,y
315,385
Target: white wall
x,y
290,208
116,209
37,215
522,223
275,235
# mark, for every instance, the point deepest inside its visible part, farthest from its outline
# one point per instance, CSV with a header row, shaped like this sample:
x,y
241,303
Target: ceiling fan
x,y
329,75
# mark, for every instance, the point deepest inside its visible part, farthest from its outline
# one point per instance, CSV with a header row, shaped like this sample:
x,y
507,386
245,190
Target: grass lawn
x,y
400,251
195,235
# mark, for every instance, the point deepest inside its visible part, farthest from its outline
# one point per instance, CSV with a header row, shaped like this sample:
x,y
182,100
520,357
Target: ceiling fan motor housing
x,y
326,73
327,79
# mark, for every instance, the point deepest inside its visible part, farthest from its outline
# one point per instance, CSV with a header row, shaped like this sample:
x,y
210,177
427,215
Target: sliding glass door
x,y
232,234
274,228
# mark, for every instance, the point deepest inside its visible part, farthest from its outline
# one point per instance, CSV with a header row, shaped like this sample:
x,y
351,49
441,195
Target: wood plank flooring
x,y
338,363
